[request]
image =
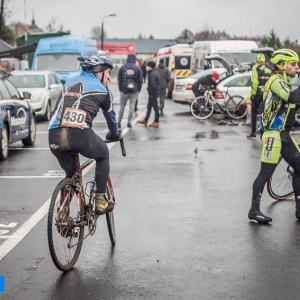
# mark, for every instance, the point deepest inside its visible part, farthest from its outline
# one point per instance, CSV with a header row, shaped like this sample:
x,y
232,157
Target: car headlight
x,y
36,98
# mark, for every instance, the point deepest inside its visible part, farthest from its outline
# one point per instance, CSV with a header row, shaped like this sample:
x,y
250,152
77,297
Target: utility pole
x,y
1,17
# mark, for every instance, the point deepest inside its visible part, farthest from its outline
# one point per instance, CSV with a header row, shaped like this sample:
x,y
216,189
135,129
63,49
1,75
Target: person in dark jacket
x,y
209,81
153,91
130,81
164,80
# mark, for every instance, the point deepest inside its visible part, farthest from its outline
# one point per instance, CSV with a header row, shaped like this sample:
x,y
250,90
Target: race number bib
x,y
73,117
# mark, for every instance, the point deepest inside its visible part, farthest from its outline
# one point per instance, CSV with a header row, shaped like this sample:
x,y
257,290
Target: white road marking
x,y
3,231
14,239
4,237
10,225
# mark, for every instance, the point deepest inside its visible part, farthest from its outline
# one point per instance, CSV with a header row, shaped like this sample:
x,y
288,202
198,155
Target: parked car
x,y
44,87
183,93
17,117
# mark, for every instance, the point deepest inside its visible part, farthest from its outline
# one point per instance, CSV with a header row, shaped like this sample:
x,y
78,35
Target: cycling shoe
x,y
258,216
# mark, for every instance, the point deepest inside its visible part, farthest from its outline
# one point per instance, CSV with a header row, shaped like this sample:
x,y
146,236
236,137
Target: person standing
x,y
164,80
260,75
130,81
153,92
279,101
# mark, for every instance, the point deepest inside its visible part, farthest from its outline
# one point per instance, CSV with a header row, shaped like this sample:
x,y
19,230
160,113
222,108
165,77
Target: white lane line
x,y
4,237
14,239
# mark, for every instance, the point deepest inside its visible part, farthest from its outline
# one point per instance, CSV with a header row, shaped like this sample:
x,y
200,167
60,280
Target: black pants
x,y
63,141
291,155
152,102
256,101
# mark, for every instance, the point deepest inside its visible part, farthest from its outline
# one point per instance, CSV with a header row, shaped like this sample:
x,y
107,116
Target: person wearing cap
x,y
279,103
153,92
164,80
209,81
259,77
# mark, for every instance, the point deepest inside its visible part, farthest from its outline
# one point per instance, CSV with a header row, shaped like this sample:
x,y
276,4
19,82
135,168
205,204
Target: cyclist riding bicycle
x,y
278,118
70,128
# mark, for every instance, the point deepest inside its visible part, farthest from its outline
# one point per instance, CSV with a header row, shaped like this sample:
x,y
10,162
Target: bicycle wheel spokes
x,y
110,219
202,108
280,184
65,233
234,109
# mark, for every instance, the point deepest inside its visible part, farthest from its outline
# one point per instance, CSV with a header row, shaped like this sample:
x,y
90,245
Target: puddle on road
x,y
213,134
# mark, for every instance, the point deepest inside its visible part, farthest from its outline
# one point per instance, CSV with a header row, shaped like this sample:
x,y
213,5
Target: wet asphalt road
x,y
181,219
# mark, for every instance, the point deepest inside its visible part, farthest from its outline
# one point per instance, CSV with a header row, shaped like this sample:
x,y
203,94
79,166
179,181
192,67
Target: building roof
x,y
143,46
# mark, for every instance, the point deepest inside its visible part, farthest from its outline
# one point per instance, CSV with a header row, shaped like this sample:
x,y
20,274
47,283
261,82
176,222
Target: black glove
x,y
110,137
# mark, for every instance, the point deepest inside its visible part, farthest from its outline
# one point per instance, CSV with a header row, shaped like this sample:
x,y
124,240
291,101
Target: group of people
x,y
84,95
130,81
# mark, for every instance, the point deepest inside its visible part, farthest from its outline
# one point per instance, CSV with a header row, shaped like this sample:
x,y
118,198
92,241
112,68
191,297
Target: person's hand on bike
x,y
110,137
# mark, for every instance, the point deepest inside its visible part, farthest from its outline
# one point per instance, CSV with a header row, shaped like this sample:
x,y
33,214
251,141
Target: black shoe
x,y
119,125
129,125
251,136
136,109
258,216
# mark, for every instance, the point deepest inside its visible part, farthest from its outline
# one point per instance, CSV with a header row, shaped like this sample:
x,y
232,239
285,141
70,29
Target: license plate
x,y
179,87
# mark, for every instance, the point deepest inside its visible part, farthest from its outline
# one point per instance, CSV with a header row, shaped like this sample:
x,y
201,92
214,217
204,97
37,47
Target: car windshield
x,y
57,62
28,81
239,56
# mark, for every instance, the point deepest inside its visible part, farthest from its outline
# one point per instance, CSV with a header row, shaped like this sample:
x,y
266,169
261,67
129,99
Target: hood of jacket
x,y
131,58
161,66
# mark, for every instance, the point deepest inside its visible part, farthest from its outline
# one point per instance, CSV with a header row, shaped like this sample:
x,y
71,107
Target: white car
x,y
183,93
44,87
235,85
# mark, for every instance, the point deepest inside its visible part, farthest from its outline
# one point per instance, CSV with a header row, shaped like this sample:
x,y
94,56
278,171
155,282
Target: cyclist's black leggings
x,y
291,155
63,141
256,101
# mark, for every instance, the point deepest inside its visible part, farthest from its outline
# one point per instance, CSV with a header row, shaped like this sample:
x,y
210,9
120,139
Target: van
x,y
235,52
177,59
59,54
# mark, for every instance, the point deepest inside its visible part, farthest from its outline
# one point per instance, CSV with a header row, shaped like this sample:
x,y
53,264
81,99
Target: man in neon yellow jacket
x,y
260,75
278,118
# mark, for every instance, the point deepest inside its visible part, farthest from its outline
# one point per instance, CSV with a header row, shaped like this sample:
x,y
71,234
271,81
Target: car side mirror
x,y
53,86
26,95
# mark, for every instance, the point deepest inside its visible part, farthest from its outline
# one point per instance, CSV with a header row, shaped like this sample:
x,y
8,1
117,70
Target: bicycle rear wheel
x,y
280,183
234,109
202,108
110,218
65,234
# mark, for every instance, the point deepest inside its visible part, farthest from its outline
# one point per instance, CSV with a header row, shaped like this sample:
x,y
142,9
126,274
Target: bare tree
x,y
51,25
96,32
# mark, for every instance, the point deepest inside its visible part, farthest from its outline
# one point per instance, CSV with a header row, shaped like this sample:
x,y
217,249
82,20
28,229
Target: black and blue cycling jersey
x,y
79,103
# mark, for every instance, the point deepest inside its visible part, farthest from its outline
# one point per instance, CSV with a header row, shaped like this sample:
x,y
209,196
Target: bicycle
x,y
203,107
69,214
280,185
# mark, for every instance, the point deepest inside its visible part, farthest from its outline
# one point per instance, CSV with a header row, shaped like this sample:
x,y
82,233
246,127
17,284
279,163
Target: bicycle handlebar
x,y
121,144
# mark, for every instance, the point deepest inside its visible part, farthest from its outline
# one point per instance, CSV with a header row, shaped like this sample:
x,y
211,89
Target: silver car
x,y
44,87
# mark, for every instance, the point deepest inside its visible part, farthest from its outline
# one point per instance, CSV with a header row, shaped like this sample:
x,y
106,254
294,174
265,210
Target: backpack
x,y
130,83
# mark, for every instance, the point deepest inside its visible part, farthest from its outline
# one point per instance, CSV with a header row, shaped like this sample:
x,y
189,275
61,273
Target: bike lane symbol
x,y
4,229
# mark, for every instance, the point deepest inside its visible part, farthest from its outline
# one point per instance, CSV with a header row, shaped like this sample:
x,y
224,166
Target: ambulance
x,y
177,59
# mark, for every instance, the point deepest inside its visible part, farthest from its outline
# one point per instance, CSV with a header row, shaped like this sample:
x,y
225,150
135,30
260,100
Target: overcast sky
x,y
163,18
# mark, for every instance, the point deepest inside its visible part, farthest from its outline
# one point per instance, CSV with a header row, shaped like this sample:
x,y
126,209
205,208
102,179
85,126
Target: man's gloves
x,y
110,137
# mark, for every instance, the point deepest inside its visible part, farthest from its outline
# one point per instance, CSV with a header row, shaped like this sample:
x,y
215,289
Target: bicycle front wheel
x,y
280,185
202,108
65,226
110,218
234,109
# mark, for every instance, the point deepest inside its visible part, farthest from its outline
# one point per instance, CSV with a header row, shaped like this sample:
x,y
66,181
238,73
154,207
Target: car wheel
x,y
47,116
4,143
29,141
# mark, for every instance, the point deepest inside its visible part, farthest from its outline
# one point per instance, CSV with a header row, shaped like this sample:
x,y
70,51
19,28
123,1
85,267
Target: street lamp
x,y
102,29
